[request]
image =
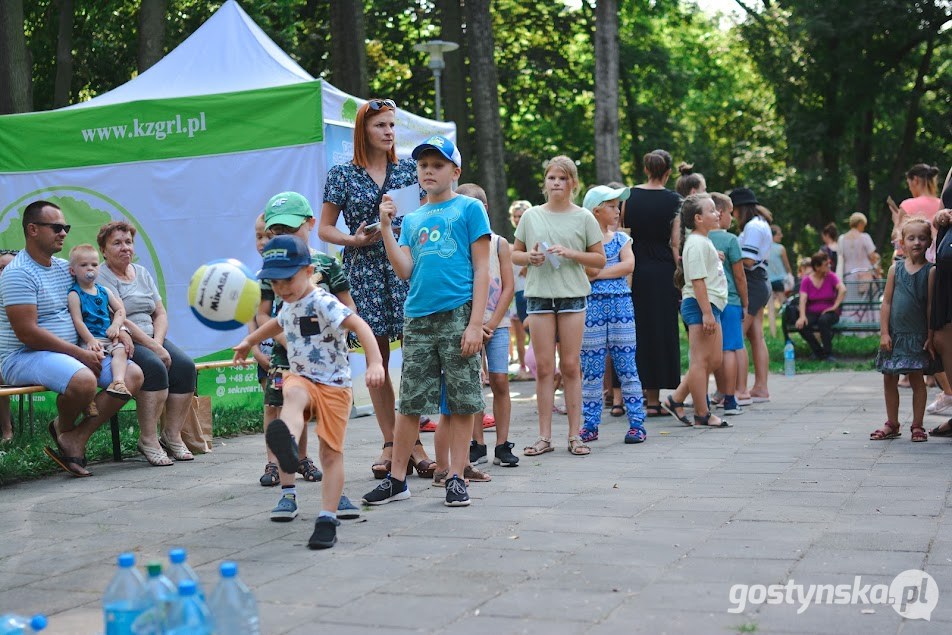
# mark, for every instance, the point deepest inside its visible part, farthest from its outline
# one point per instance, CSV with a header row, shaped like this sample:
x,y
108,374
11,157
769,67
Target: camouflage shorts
x,y
431,349
273,395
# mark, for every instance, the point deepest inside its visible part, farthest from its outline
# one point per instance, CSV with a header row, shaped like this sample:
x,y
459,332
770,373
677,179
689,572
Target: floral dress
x,y
377,291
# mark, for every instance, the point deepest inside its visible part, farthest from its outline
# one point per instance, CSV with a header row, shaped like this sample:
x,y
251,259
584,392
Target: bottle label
x,y
119,621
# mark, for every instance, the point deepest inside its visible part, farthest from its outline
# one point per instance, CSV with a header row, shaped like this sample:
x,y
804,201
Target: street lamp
x,y
435,49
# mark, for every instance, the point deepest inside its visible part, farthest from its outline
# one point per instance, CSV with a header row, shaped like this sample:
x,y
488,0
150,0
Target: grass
x,y
24,459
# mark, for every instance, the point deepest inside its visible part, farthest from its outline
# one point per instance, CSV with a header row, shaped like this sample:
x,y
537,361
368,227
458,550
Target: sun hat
x,y
601,193
743,196
287,208
283,257
442,145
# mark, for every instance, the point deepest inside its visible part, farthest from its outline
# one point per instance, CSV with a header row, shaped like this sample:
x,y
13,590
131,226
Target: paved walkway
x,y
632,539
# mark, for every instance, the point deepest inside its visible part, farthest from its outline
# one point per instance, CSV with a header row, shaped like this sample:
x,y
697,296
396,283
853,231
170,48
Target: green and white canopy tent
x,y
188,152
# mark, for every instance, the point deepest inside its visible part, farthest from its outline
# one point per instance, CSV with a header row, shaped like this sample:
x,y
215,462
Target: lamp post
x,y
435,49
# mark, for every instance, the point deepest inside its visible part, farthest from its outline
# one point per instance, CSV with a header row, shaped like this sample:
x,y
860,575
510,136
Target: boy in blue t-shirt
x,y
444,251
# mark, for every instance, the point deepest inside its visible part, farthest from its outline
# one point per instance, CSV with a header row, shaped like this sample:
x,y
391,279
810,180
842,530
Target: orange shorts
x,y
329,405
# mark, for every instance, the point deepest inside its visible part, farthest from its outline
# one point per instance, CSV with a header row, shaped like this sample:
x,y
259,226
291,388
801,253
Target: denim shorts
x,y
431,352
555,305
691,312
732,325
497,351
27,367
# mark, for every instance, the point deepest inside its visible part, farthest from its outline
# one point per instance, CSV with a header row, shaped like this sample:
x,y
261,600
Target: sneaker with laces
x,y
390,489
347,510
286,510
325,533
470,473
504,455
477,453
270,478
456,494
941,405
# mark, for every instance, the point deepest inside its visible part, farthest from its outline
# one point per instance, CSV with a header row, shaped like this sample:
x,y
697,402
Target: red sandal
x,y
888,431
918,434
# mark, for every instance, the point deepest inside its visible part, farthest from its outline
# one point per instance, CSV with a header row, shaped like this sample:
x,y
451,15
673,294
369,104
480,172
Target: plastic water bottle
x,y
233,604
126,597
163,595
179,570
11,624
789,360
189,615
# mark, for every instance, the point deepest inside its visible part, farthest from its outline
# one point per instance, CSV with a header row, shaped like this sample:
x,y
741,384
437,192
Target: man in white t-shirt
x,y
38,339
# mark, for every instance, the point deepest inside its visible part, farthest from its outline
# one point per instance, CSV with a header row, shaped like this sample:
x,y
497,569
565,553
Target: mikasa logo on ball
x,y
224,294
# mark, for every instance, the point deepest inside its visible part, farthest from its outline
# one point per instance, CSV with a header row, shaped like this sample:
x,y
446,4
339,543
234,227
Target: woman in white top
x,y
755,240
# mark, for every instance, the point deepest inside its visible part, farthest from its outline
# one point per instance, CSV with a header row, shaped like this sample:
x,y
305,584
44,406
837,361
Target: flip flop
x,y
65,461
935,432
52,430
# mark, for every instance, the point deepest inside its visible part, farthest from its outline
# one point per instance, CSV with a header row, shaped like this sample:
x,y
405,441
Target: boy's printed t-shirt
x,y
727,242
439,236
575,230
700,261
317,345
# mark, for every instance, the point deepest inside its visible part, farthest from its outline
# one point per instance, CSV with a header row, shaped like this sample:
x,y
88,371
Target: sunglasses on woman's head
x,y
377,104
56,227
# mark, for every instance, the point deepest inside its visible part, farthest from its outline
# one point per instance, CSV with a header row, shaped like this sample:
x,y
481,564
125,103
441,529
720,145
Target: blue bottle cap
x,y
177,556
38,623
228,569
186,587
126,560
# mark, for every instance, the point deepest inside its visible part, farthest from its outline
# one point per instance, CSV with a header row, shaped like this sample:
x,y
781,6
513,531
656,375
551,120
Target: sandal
x,y
918,434
617,410
424,467
655,410
939,432
705,422
118,389
672,406
178,451
382,467
156,458
270,478
635,435
66,462
309,471
541,446
587,434
577,447
888,431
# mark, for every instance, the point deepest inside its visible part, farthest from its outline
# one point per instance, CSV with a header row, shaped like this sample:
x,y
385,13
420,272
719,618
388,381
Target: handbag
x,y
197,427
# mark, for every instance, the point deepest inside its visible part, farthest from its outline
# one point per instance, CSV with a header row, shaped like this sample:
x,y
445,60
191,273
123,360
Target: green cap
x,y
154,568
287,208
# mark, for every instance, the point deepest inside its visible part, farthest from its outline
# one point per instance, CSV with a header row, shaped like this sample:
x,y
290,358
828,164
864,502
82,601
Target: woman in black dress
x,y
651,213
942,291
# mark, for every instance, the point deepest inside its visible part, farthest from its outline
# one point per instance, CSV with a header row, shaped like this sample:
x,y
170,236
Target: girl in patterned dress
x,y
354,189
905,337
610,321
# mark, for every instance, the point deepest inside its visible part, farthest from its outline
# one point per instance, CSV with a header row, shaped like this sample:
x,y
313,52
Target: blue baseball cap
x,y
283,257
442,145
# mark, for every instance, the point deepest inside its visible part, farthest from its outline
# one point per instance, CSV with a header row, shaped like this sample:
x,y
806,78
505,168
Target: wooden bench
x,y
860,309
28,391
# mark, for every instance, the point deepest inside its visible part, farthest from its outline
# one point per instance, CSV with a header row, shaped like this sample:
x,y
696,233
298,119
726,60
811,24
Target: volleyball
x,y
224,294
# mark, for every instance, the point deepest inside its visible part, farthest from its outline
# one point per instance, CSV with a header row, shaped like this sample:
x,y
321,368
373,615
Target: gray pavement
x,y
631,539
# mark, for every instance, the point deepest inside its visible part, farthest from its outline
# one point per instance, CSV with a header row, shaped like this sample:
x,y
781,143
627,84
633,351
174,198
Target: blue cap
x,y
283,257
177,556
126,560
228,569
442,145
187,587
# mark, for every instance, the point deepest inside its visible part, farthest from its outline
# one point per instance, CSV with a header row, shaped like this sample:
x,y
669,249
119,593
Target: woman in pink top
x,y
821,294
922,180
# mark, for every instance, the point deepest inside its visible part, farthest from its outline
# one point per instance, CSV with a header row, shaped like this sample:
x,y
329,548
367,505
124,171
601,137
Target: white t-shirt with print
x,y
317,345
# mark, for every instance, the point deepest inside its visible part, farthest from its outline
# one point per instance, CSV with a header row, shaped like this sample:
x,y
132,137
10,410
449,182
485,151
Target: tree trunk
x,y
64,54
151,33
607,151
455,85
349,47
489,140
16,84
634,131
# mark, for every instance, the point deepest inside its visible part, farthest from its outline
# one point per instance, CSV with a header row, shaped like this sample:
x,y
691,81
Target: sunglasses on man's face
x,y
377,104
56,227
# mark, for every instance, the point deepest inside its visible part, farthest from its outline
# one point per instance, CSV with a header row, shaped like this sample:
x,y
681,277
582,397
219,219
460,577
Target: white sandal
x,y
178,451
157,458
